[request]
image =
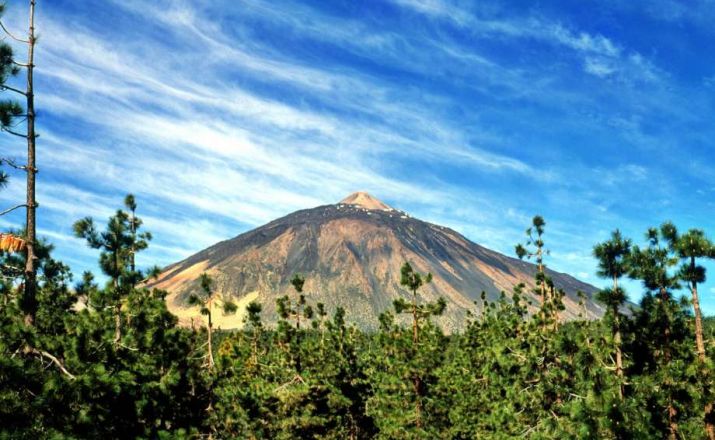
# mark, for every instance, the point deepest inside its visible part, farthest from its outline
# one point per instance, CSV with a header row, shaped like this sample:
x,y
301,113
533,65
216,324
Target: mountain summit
x,y
365,200
350,254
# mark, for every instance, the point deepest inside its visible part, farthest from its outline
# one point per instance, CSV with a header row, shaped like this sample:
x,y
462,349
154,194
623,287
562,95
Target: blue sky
x,y
221,116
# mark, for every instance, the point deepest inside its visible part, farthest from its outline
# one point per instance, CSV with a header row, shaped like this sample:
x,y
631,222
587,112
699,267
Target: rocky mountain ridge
x,y
350,254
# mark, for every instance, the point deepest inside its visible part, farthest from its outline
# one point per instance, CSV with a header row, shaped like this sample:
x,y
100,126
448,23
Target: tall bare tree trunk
x,y
133,227
117,323
210,348
416,380
672,412
540,270
619,354
298,360
617,339
699,339
700,345
672,424
544,290
30,291
415,330
118,305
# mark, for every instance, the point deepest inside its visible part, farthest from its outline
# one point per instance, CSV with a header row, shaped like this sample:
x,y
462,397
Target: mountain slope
x,y
350,254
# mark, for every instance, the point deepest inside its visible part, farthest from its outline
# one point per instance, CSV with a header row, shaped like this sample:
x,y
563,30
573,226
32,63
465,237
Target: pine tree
x,y
146,386
138,241
537,252
613,262
405,372
488,367
32,362
206,300
535,249
413,280
289,336
244,405
654,266
117,245
253,321
347,376
690,247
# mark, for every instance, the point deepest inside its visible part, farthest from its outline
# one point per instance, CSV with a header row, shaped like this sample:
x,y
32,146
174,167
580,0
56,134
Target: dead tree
x,y
28,300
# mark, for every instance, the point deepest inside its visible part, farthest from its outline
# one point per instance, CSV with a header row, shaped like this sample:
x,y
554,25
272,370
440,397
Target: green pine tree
x,y
691,247
206,300
663,331
404,375
118,245
535,248
613,262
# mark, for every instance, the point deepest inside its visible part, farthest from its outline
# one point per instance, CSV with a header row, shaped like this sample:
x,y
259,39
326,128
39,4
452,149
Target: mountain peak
x,y
351,254
365,200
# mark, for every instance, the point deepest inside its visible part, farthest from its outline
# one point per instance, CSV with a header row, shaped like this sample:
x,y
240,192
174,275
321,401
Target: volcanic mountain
x,y
350,254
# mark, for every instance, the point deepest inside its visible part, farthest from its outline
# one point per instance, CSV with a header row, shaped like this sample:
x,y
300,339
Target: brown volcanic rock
x,y
350,254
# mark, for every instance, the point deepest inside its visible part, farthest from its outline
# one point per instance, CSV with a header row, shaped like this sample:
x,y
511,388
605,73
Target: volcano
x,y
350,254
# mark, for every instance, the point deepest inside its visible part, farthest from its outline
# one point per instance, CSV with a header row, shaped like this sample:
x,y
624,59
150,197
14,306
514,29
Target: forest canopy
x,y
109,361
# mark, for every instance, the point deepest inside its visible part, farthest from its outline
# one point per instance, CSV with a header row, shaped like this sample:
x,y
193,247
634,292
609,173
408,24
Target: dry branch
x,y
9,210
43,354
11,35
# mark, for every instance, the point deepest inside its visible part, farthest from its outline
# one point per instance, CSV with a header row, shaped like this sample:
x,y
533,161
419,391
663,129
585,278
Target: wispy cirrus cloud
x,y
601,55
205,147
221,116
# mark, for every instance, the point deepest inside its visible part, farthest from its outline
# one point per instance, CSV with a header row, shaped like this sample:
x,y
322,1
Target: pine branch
x,y
43,354
15,133
11,268
127,347
20,121
9,210
11,35
12,163
12,89
296,379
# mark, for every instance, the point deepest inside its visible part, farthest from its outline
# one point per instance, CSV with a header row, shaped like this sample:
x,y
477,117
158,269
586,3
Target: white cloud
x,y
583,275
601,56
208,158
599,67
437,8
217,130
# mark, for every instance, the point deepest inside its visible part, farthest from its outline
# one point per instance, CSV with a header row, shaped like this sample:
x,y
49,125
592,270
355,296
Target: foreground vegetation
x,y
87,361
117,366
